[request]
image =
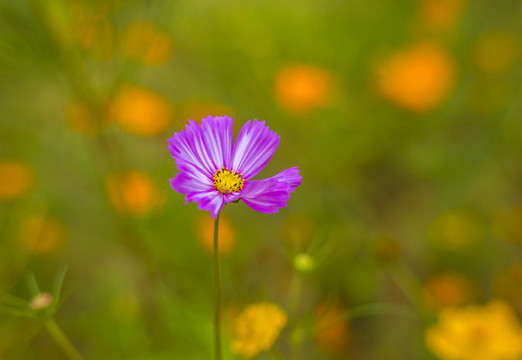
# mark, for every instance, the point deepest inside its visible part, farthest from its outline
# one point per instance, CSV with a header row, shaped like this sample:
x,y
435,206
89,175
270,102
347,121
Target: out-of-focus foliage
x,y
404,119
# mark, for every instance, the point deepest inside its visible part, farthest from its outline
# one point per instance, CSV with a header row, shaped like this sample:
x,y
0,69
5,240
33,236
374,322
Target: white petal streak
x,y
254,147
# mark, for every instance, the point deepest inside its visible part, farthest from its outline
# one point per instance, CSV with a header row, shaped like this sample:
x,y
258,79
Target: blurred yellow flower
x,y
226,234
507,225
447,289
332,334
144,42
496,52
417,78
300,89
441,14
40,234
141,111
16,179
455,230
81,118
489,332
256,328
133,193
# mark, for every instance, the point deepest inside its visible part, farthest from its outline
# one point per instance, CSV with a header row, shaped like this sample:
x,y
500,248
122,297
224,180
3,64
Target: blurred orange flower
x,y
16,179
133,192
507,225
144,42
489,332
141,111
226,233
300,89
332,334
82,119
455,230
447,289
496,52
441,14
92,31
417,78
40,234
257,328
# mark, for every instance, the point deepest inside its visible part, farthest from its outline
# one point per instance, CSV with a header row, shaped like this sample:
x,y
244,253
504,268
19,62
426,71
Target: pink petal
x,y
265,196
210,200
207,146
289,176
254,147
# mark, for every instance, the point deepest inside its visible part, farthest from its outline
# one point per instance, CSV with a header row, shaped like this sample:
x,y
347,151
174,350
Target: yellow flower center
x,y
228,181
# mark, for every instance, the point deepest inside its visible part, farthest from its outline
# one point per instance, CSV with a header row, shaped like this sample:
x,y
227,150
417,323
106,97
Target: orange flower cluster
x,y
16,179
332,332
418,78
82,118
447,289
141,111
91,29
41,234
226,234
133,192
301,89
441,14
145,43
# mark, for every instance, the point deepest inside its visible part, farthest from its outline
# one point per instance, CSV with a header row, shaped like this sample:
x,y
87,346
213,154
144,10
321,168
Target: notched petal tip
x,y
290,177
266,196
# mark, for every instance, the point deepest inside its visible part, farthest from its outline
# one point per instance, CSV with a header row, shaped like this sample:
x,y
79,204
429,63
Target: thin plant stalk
x,y
217,320
293,310
62,340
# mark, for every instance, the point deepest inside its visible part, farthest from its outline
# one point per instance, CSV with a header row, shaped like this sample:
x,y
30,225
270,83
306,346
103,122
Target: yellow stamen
x,y
228,181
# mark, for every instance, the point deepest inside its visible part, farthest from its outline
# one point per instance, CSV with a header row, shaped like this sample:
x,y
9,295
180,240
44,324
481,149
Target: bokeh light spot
x,y
16,179
300,89
133,192
141,111
226,233
418,78
41,234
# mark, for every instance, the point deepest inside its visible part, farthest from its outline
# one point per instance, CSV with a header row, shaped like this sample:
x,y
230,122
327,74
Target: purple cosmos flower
x,y
213,171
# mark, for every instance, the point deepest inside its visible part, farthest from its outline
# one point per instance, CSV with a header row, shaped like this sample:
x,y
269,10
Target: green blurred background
x,y
403,117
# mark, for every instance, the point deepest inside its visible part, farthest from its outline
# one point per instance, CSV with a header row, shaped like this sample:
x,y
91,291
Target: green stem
x,y
295,295
217,321
62,340
294,298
